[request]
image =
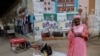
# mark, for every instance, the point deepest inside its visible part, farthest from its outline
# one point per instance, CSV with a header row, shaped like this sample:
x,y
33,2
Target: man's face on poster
x,y
69,17
47,18
52,17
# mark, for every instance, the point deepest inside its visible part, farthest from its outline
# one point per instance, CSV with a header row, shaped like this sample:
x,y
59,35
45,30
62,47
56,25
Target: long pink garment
x,y
77,45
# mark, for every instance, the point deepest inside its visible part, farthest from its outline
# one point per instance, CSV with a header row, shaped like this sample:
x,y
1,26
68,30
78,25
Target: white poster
x,y
38,22
61,18
97,8
36,6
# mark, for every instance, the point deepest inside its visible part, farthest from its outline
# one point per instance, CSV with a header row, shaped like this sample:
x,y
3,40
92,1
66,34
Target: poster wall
x,y
70,16
61,17
50,21
38,22
53,25
50,24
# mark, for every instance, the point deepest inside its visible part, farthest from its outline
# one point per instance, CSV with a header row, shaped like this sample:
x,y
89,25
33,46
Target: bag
x,y
28,45
46,48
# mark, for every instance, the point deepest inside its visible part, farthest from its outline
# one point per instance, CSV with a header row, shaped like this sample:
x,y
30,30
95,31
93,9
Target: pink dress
x,y
77,45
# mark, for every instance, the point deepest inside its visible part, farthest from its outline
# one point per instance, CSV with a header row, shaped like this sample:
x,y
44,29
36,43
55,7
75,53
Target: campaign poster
x,y
50,21
38,22
70,17
50,25
50,16
61,18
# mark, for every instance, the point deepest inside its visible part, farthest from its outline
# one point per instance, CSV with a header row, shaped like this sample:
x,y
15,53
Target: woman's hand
x,y
78,35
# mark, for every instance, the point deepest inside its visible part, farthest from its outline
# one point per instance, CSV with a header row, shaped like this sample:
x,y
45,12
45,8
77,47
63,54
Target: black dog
x,y
47,49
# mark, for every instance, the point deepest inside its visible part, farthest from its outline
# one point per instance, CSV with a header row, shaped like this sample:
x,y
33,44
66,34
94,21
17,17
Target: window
x,y
71,0
68,9
59,8
49,3
61,0
44,2
72,9
64,9
48,8
53,0
80,5
63,5
45,8
41,0
67,0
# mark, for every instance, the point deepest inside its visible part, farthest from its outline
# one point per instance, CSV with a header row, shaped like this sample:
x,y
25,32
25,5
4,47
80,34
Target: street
x,y
58,46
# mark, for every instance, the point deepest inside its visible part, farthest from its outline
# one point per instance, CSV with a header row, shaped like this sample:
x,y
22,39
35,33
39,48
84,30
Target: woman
x,y
77,37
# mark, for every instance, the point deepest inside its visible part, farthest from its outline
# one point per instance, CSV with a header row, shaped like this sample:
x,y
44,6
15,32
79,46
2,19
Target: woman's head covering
x,y
77,17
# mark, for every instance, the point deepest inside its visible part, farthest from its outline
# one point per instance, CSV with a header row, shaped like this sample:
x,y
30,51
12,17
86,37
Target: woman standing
x,y
77,37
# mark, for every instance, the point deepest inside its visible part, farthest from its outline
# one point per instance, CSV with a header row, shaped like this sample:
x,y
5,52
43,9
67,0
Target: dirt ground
x,y
93,47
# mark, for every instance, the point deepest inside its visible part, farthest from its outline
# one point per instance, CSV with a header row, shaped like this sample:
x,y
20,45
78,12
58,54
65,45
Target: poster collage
x,y
50,23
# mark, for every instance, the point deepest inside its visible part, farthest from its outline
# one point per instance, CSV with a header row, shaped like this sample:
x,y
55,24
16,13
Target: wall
x,y
97,7
91,6
94,15
41,7
30,6
65,5
82,4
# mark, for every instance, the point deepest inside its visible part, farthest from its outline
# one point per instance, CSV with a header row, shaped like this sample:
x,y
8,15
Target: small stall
x,y
9,30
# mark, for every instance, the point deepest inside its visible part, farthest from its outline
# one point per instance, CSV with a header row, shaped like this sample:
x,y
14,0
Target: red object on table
x,y
35,46
17,40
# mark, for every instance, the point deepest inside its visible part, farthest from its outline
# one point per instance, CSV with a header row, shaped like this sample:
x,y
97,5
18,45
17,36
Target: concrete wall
x,y
93,10
39,7
84,3
91,6
30,6
93,25
93,20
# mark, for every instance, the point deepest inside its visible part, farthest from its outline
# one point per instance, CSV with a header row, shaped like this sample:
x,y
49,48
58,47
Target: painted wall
x,y
83,4
30,6
91,6
97,7
76,5
41,7
93,20
93,25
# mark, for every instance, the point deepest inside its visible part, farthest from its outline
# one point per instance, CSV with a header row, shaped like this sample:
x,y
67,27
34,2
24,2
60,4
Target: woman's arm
x,y
85,32
70,34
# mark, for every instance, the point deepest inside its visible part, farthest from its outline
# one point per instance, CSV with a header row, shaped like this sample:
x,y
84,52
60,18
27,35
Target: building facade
x,y
54,6
43,6
92,6
84,5
67,5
